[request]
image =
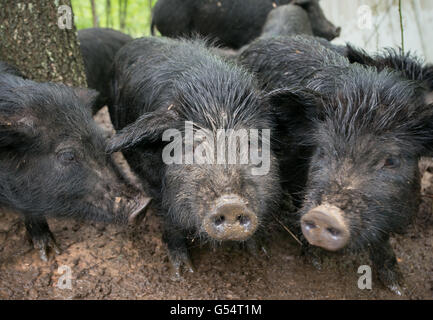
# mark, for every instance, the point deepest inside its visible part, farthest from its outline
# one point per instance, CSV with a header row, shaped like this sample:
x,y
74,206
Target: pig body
x,y
98,47
365,130
159,85
233,23
287,20
53,161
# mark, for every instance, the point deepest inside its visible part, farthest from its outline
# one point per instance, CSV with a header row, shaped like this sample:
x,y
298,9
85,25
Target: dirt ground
x,y
110,262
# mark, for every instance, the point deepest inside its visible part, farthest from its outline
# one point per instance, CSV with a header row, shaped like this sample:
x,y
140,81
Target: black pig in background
x,y
53,161
98,47
232,23
286,21
289,20
365,130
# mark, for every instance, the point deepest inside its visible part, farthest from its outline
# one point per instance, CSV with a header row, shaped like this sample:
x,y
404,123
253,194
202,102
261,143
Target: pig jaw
x,y
117,200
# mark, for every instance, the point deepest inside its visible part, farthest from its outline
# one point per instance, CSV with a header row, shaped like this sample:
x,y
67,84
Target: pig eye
x,y
391,162
320,152
66,156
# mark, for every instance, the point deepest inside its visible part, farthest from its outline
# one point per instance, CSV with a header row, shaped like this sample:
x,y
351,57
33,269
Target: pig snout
x,y
337,32
139,209
332,33
134,209
230,220
324,226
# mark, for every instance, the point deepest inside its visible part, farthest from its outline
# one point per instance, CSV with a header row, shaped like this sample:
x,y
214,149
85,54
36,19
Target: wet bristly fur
x,y
38,123
160,84
408,64
365,133
371,118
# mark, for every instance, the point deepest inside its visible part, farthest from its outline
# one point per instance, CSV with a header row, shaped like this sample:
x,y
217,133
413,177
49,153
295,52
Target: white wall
x,y
383,29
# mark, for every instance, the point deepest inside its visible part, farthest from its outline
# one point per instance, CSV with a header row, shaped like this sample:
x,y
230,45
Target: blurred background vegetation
x,y
130,16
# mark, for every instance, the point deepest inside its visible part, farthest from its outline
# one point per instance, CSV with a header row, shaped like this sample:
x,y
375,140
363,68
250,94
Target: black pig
x,y
160,84
233,23
366,130
98,47
53,161
287,20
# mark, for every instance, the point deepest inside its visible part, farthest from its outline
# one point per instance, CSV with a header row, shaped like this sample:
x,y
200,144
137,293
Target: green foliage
x,y
138,15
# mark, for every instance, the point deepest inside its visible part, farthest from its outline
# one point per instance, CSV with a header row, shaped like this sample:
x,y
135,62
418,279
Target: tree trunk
x,y
108,13
123,5
40,39
94,14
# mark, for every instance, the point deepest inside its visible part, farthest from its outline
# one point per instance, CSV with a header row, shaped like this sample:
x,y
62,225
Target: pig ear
x,y
16,131
302,2
295,104
86,96
147,128
294,110
358,55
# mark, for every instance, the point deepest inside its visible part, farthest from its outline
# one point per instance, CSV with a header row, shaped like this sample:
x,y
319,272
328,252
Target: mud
x,y
110,262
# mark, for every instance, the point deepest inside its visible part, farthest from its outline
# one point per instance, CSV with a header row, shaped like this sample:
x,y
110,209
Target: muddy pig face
x,y
56,155
221,201
359,190
225,196
363,179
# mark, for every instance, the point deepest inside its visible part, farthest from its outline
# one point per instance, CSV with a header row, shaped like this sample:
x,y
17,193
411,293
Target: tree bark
x,y
32,40
94,14
108,13
123,5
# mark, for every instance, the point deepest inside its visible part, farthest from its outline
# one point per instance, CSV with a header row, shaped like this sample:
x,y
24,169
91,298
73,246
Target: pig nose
x,y
140,210
231,220
324,226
